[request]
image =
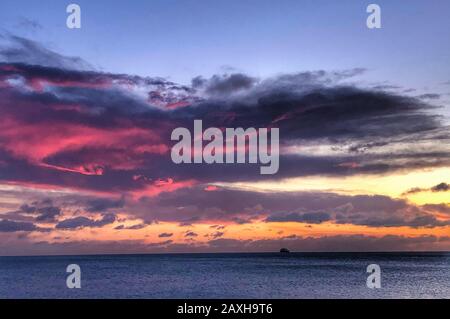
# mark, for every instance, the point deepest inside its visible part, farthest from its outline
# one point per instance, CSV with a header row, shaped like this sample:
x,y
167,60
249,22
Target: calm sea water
x,y
296,275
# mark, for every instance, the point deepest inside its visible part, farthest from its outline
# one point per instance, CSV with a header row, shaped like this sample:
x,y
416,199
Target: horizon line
x,y
235,253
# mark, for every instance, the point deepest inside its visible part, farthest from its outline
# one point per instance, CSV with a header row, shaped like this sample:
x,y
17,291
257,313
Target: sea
x,y
218,276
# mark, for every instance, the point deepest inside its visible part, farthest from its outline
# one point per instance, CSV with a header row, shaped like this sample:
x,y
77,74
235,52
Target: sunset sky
x,y
87,115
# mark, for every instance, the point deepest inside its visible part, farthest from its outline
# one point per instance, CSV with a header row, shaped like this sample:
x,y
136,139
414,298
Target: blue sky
x,y
182,39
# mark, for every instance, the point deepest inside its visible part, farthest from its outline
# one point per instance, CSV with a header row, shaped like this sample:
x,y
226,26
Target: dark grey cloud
x,y
217,234
384,87
414,190
309,218
23,50
165,235
160,244
81,222
9,226
190,234
438,208
217,227
343,112
43,211
423,220
243,206
361,148
104,204
302,82
36,211
137,226
224,84
441,187
429,96
132,227
48,213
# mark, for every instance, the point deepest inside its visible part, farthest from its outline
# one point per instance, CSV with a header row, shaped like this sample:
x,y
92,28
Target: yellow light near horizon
x,y
393,185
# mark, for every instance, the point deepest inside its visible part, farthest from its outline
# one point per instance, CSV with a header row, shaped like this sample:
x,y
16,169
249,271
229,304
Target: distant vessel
x,y
284,250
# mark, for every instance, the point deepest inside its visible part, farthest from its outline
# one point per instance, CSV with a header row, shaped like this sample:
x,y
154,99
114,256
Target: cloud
x,y
194,205
308,218
103,204
124,149
48,213
190,234
442,187
162,244
217,227
43,211
438,208
384,87
132,227
9,226
22,50
429,96
81,222
238,205
414,190
224,84
343,243
217,234
165,235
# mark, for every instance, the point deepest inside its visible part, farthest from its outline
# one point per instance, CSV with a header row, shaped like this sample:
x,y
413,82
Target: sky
x,y
87,116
